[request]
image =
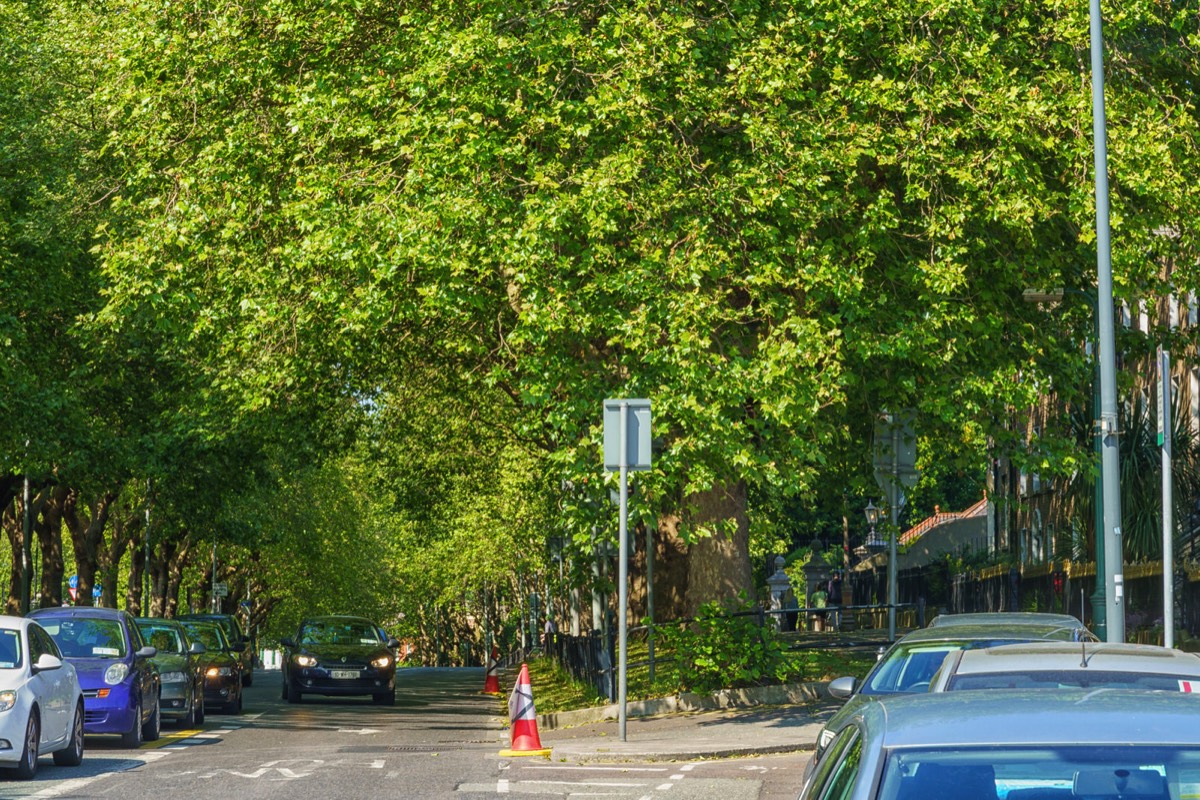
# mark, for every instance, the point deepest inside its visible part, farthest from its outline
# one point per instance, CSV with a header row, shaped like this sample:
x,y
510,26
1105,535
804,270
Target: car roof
x,y
79,612
1071,656
1034,717
995,630
1005,618
336,618
158,621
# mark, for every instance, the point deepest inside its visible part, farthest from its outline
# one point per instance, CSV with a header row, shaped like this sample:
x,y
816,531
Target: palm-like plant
x,y
1141,476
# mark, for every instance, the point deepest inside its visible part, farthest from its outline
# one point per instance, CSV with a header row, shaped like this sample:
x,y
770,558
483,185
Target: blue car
x,y
120,683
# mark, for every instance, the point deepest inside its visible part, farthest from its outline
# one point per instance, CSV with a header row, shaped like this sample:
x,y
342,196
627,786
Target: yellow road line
x,y
170,738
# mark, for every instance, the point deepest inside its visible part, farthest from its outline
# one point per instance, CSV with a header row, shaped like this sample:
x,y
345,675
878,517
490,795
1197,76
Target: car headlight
x,y
219,672
383,662
173,677
305,661
116,673
8,699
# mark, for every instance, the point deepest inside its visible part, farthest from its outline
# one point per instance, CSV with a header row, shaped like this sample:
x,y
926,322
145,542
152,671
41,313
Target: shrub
x,y
720,650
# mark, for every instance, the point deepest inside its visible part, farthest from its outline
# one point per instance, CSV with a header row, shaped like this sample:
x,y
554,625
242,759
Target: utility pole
x,y
1114,578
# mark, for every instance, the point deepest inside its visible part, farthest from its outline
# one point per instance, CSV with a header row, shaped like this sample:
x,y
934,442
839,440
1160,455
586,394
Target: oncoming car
x,y
41,705
1058,665
1074,744
909,665
339,656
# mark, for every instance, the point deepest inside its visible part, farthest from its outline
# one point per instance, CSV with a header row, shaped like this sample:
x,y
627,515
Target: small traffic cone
x,y
491,684
525,741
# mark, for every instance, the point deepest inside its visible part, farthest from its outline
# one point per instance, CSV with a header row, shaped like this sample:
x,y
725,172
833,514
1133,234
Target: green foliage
x,y
724,647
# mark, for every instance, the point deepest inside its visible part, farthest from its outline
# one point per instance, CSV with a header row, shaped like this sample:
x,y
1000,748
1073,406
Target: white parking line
x,y
598,769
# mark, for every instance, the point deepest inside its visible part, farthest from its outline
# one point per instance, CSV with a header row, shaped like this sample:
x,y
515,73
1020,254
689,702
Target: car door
x,y
144,669
834,776
49,687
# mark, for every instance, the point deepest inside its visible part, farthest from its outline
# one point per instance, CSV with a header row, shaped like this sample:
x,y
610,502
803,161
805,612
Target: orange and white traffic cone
x,y
525,741
491,684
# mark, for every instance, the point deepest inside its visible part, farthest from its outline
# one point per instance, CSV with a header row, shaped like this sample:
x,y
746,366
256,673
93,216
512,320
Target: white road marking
x,y
502,786
600,769
376,764
360,731
678,777
664,787
687,768
580,783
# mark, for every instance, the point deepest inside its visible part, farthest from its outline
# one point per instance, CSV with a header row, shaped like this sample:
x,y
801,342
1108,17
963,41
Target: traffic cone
x,y
521,714
491,684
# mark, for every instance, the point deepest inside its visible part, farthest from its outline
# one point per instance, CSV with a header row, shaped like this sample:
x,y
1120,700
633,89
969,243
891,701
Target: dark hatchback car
x,y
338,656
181,665
115,666
242,646
222,670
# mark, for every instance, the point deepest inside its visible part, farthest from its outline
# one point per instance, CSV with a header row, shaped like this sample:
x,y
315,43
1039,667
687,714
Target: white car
x,y
41,706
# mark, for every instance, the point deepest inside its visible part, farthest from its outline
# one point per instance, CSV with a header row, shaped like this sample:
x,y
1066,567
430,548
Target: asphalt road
x,y
441,740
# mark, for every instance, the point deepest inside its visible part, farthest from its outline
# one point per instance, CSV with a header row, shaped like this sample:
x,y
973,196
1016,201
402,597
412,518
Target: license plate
x,y
343,674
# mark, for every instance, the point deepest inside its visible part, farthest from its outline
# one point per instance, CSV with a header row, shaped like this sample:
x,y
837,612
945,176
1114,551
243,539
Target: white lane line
x,y
502,786
608,784
377,764
664,787
599,769
687,768
678,777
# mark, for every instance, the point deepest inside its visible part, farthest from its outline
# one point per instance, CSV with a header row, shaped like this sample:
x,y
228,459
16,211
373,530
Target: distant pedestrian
x,y
819,600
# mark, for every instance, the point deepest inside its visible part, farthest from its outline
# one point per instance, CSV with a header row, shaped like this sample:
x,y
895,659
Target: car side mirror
x,y
46,662
288,642
393,643
842,687
146,652
196,649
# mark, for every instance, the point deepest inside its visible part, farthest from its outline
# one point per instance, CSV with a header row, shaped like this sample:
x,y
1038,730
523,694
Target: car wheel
x,y
153,727
283,689
293,693
72,754
28,765
133,736
189,719
234,706
385,699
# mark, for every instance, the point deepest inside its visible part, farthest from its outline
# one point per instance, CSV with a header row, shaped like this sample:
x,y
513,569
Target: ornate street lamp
x,y
874,514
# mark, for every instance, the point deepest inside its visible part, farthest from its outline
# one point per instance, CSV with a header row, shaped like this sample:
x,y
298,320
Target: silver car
x,y
1006,618
1074,744
909,665
1055,665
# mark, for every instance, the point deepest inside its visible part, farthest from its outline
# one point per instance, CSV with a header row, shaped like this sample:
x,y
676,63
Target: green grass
x,y
554,690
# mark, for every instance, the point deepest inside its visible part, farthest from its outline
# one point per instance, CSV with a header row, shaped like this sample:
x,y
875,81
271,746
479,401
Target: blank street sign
x,y
637,435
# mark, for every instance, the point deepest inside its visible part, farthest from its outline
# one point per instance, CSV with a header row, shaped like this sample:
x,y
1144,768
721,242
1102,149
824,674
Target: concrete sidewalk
x,y
694,736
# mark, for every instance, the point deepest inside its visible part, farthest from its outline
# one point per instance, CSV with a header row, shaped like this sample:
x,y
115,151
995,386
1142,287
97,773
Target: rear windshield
x,y
87,638
1082,679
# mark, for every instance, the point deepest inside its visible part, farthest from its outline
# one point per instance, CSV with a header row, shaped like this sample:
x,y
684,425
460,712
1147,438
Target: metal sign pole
x,y
1168,522
623,576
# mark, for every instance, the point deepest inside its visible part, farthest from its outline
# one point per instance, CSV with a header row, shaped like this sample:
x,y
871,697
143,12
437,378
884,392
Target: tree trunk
x,y
11,521
87,536
126,527
718,566
137,575
48,527
175,565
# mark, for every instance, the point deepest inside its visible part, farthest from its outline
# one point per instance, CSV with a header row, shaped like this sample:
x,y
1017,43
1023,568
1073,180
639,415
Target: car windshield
x,y
909,667
10,649
340,632
1076,678
1094,772
210,635
164,638
80,637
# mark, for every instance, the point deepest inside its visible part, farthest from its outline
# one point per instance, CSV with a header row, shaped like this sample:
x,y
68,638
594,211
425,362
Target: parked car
x,y
181,666
222,671
1073,744
1057,665
41,705
339,656
242,646
115,666
908,666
